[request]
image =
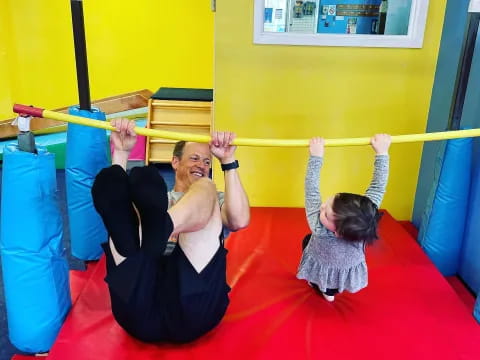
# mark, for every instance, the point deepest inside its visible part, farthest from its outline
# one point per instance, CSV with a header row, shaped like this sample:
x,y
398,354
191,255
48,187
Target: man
x,y
166,263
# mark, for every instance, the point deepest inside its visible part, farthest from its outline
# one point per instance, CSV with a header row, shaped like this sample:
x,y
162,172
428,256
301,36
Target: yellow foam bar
x,y
263,142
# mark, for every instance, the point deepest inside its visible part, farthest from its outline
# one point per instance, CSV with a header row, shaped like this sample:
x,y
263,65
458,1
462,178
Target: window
x,y
373,23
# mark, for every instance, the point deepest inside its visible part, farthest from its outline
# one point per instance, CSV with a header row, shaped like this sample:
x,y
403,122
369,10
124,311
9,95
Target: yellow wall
x,y
131,45
5,94
272,91
263,91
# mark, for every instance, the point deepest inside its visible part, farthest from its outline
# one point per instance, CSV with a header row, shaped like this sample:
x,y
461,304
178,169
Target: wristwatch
x,y
230,166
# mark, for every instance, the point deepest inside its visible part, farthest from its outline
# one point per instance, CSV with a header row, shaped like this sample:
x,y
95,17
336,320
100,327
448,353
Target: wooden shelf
x,y
193,117
109,105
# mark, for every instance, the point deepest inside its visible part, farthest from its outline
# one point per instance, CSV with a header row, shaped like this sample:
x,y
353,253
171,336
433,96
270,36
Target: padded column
x,y
86,155
35,271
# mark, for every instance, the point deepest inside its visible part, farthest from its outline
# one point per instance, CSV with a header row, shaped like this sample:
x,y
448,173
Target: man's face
x,y
194,164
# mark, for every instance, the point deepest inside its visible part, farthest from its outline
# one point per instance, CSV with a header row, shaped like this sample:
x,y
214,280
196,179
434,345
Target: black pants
x,y
329,292
155,298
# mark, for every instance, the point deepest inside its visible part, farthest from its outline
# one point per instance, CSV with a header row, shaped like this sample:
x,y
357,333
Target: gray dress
x,y
329,261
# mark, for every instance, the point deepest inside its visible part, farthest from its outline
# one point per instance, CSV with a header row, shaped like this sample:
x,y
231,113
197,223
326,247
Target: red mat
x,y
467,297
409,311
78,280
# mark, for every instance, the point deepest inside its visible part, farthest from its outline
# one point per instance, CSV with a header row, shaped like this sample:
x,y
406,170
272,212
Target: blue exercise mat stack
x,y
35,271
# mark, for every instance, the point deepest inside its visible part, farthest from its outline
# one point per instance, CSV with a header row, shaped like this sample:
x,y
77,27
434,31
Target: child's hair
x,y
356,217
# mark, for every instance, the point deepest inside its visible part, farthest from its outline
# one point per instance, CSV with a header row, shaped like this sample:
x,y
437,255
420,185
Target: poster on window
x,y
474,6
332,10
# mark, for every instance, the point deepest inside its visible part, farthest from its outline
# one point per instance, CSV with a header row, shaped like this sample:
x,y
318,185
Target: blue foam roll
x,y
469,263
86,155
443,223
35,272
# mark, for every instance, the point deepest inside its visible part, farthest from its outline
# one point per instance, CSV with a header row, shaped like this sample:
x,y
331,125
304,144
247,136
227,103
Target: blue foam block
x,y
35,271
87,149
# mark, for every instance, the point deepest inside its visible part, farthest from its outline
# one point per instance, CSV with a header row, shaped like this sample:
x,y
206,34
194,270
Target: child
x,y
26,139
333,258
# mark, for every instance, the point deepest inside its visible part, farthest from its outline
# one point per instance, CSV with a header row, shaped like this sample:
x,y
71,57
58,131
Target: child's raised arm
x,y
380,144
312,182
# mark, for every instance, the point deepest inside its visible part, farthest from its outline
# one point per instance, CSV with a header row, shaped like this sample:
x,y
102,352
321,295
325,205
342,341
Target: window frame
x,y
414,38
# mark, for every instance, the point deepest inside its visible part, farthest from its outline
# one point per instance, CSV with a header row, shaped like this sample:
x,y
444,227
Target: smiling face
x,y
194,164
327,216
